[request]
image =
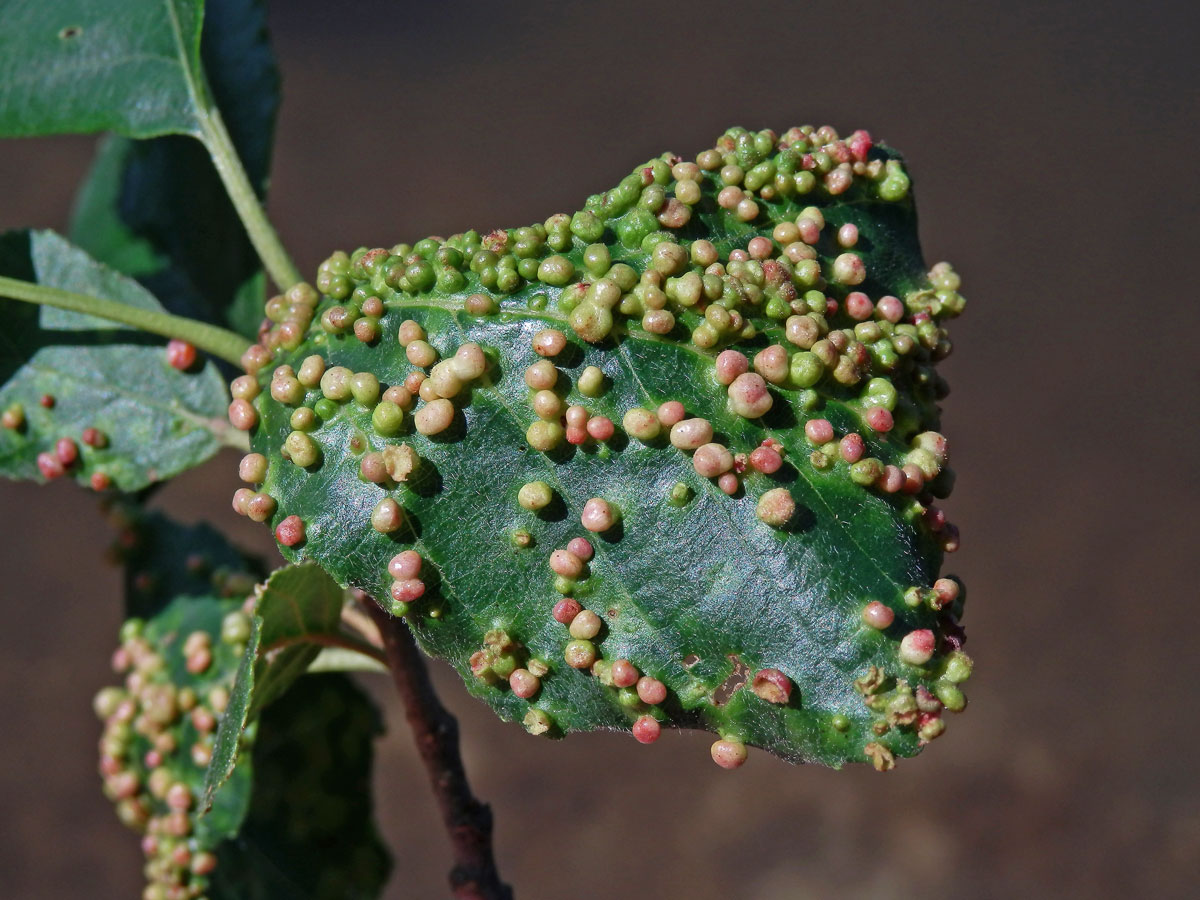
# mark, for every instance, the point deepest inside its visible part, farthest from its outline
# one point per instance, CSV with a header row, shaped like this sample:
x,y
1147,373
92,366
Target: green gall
x,y
556,270
365,388
235,628
958,667
544,436
387,419
680,494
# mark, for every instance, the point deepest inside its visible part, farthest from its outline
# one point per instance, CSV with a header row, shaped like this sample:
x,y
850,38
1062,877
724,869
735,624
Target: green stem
x,y
229,166
217,341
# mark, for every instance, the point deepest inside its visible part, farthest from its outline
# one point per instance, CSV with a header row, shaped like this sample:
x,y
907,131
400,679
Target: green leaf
x,y
79,66
754,626
310,756
157,210
132,418
297,609
309,831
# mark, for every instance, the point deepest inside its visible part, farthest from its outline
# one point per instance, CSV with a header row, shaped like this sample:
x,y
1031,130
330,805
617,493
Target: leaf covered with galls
x,y
669,461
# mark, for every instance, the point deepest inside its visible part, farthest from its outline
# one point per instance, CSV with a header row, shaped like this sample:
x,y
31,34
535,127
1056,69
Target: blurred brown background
x,y
1053,150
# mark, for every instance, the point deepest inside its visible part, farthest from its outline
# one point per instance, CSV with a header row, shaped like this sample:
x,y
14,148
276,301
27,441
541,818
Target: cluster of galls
x,y
65,454
158,741
639,693
897,704
554,423
317,392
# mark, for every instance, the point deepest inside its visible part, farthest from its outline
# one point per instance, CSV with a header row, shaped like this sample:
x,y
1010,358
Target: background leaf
x,y
157,210
80,66
698,594
294,609
68,373
309,831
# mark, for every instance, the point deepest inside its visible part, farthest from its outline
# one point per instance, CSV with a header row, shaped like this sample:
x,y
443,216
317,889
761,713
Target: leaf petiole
x,y
223,344
262,234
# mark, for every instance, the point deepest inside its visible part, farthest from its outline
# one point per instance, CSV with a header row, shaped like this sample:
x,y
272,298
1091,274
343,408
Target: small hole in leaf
x,y
736,680
690,660
71,31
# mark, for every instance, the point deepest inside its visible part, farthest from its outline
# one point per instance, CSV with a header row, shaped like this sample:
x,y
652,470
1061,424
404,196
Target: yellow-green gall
x,y
335,383
364,386
641,424
591,322
591,382
544,436
302,449
535,495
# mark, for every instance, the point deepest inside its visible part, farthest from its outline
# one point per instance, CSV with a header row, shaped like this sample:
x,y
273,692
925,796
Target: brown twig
x,y
468,821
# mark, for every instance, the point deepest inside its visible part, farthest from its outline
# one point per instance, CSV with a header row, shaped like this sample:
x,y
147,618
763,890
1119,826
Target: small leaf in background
x,y
671,460
310,830
156,209
79,66
86,398
294,610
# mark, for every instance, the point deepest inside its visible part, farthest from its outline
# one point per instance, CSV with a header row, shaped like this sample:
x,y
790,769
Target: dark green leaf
x,y
694,589
79,66
62,373
157,210
295,609
299,607
309,832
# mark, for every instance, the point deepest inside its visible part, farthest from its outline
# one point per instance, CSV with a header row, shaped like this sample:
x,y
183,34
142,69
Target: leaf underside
x,y
690,585
296,605
132,419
